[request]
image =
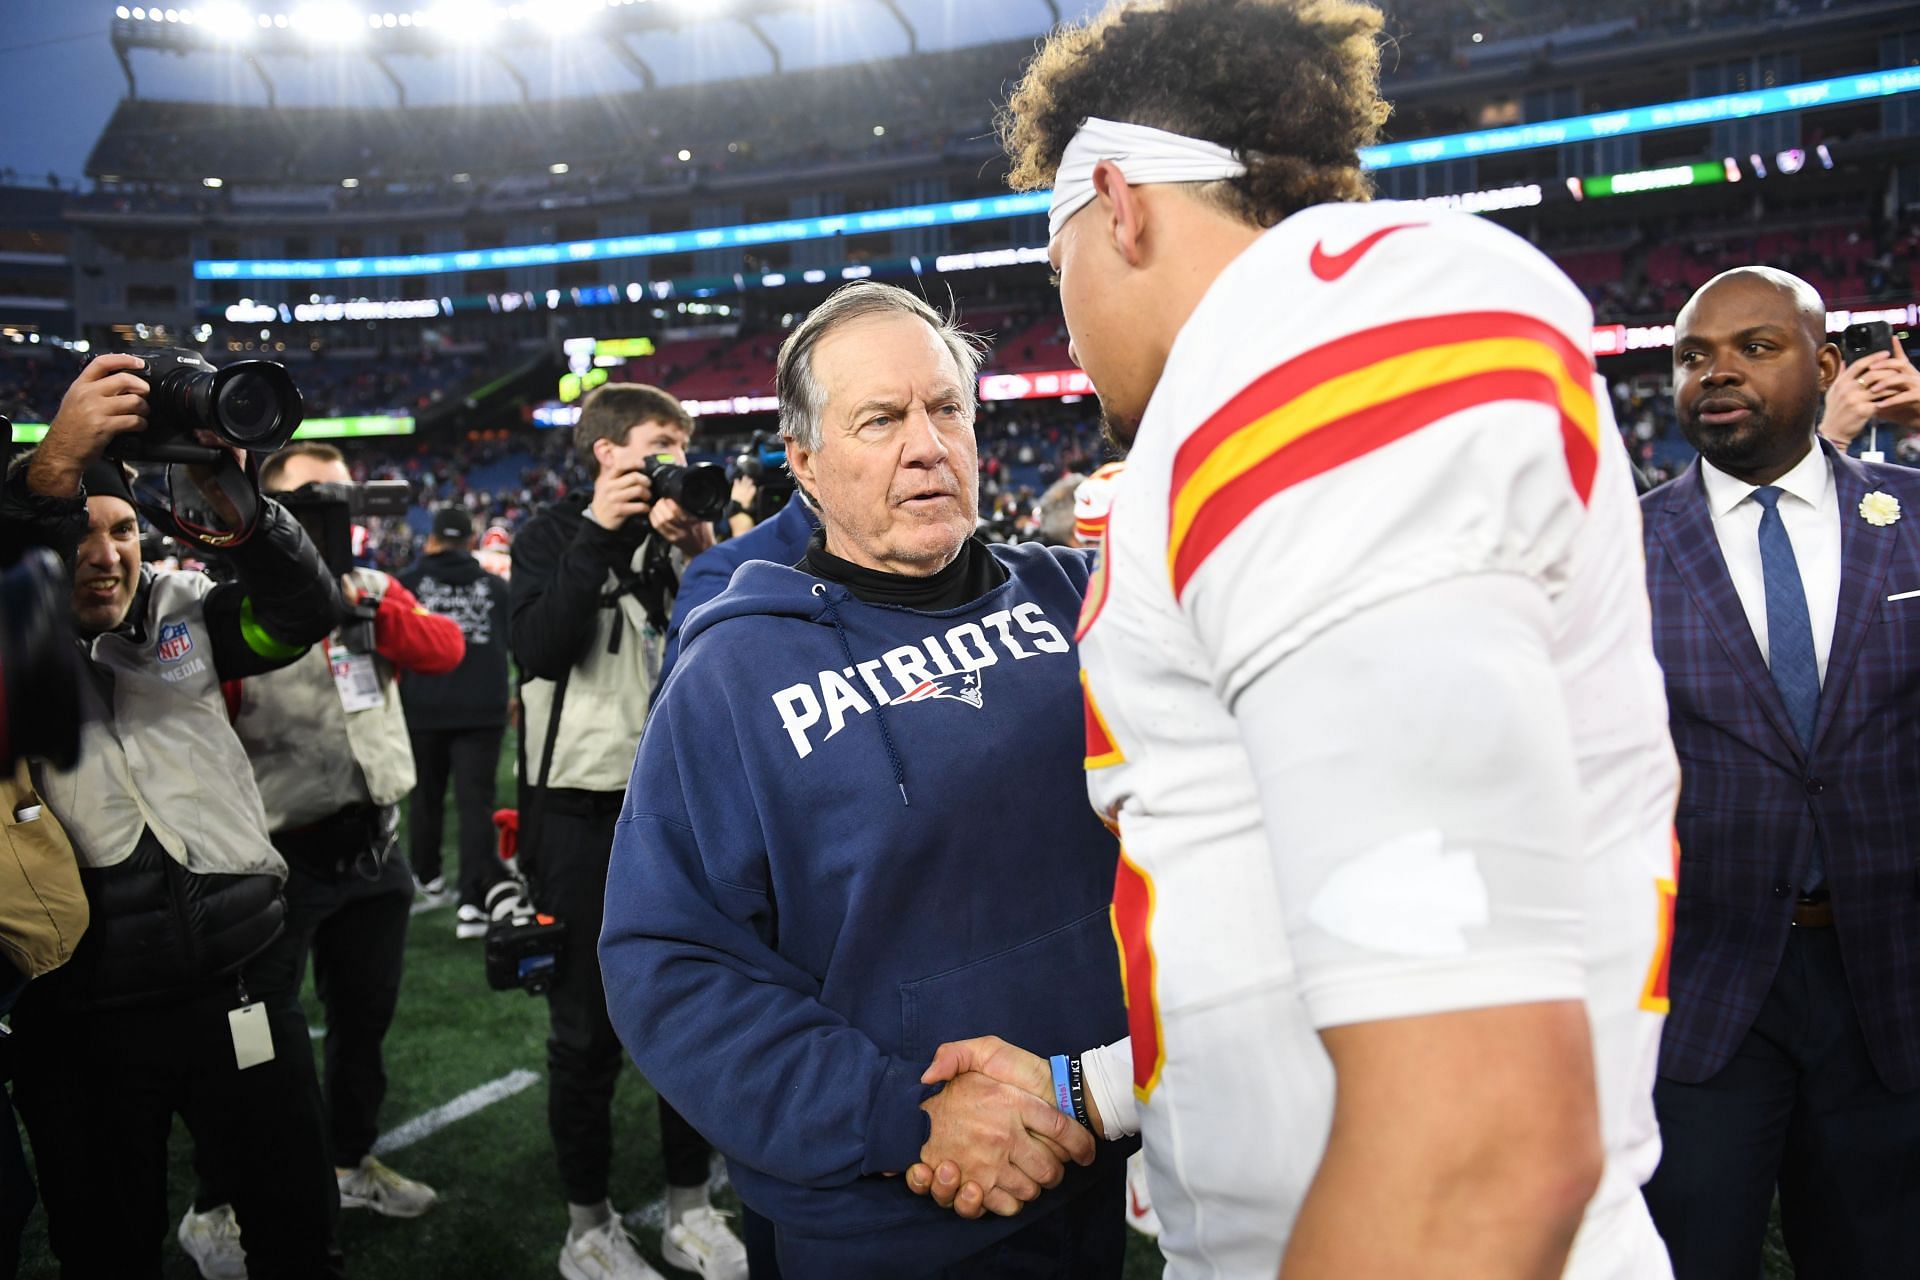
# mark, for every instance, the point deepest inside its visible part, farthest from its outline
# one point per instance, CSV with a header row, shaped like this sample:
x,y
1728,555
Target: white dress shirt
x,y
1810,508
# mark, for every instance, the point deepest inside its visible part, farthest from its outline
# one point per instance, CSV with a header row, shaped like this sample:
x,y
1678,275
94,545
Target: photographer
x,y
593,585
182,996
327,739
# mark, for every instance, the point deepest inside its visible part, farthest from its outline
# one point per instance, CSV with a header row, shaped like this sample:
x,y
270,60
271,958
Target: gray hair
x,y
803,399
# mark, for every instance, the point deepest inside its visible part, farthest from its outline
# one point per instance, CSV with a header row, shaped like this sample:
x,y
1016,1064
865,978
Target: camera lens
x,y
247,407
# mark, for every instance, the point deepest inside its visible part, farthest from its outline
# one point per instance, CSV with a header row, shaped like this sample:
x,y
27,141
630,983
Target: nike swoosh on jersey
x,y
1331,267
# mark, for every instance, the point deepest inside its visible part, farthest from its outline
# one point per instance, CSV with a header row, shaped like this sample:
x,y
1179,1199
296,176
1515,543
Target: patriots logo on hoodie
x,y
961,688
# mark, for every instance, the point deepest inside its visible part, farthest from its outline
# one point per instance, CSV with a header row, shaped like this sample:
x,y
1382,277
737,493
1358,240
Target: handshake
x,y
998,1138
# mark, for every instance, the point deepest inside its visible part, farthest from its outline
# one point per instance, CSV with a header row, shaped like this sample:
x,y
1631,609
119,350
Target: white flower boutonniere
x,y
1879,508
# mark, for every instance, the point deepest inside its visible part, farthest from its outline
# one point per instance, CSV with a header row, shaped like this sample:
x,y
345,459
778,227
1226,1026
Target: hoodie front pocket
x,y
1057,993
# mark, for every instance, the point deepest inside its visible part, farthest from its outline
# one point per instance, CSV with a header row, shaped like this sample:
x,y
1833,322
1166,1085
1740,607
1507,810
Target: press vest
x,y
160,752
605,707
312,757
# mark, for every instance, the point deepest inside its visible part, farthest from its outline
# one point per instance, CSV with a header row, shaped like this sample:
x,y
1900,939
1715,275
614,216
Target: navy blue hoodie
x,y
856,832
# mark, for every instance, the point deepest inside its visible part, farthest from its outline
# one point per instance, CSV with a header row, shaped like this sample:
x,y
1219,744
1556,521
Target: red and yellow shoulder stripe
x,y
1351,396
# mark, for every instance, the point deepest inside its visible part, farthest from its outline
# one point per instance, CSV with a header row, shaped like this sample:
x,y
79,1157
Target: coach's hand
x,y
974,1065
107,400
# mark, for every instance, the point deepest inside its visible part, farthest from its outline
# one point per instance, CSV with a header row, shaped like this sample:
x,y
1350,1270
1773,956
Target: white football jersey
x,y
1372,400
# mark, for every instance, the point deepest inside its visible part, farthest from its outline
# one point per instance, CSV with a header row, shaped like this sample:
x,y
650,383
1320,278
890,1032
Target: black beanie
x,y
105,478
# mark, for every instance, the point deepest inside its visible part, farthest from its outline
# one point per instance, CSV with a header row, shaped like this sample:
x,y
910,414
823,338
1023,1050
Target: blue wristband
x,y
1062,1086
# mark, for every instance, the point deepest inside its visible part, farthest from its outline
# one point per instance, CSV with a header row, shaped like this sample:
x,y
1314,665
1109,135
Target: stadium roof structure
x,y
379,31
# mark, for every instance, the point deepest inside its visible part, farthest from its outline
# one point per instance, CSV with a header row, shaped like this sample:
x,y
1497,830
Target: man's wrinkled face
x,y
896,475
1101,338
644,440
1748,375
106,568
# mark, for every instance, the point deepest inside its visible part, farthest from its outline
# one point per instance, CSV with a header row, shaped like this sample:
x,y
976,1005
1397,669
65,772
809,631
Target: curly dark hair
x,y
1290,86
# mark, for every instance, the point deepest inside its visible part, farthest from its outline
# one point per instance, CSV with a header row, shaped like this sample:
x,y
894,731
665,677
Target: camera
x,y
765,463
251,405
523,946
700,488
327,512
39,674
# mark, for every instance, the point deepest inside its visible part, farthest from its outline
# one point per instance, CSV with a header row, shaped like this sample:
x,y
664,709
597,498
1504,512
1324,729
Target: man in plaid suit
x,y
1786,614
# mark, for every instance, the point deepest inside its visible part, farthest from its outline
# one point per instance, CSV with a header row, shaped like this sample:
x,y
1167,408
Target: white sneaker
x,y
470,922
604,1253
702,1242
1140,1214
212,1240
376,1187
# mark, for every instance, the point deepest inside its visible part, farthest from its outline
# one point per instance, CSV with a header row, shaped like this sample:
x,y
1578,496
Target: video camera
x,y
764,463
700,488
327,512
250,404
39,675
524,947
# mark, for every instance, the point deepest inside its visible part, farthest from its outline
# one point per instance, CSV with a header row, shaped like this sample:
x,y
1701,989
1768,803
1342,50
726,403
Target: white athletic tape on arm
x,y
1144,155
1108,1073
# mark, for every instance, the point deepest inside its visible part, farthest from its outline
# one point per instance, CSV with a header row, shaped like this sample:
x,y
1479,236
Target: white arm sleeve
x,y
1107,1076
1419,793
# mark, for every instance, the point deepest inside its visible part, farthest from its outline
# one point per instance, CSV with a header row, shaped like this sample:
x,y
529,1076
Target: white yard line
x,y
473,1100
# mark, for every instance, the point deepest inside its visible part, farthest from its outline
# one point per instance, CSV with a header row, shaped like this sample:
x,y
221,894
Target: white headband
x,y
1143,154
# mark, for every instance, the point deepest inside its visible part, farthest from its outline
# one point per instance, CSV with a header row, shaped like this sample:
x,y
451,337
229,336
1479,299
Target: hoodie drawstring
x,y
879,708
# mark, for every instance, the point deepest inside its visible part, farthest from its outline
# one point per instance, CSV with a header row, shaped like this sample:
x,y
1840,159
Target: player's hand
x,y
1009,1144
619,496
671,521
106,401
993,1058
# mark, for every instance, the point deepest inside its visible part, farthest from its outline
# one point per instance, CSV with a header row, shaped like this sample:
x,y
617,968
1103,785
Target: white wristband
x,y
1107,1076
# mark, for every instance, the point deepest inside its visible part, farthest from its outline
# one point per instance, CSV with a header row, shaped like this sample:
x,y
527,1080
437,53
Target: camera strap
x,y
532,799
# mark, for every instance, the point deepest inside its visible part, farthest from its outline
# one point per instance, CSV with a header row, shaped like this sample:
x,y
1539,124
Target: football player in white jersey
x,y
1371,696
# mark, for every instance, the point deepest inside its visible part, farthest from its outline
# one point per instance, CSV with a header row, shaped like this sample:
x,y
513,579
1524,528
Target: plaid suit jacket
x,y
1752,802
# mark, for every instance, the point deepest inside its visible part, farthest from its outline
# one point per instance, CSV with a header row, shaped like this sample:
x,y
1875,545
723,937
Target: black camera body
x,y
39,672
525,949
327,512
250,404
701,488
765,463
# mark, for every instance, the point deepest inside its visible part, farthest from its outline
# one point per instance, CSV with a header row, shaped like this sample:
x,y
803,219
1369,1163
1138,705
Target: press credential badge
x,y
355,679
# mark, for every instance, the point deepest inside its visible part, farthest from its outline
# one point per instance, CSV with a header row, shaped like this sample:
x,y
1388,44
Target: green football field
x,y
458,1046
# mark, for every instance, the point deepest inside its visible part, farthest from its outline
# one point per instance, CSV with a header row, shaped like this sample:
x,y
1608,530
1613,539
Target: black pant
x,y
98,1091
572,845
1801,1105
1084,1239
349,910
16,1181
472,758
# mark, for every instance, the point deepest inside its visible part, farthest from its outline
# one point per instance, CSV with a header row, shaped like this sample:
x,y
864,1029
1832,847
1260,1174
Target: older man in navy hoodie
x,y
857,829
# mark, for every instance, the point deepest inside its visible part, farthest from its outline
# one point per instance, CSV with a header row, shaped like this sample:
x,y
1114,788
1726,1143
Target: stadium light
x,y
563,17
123,13
557,168
684,154
215,183
328,23
228,21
